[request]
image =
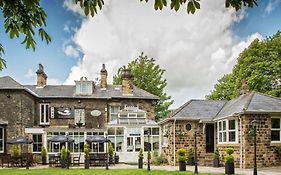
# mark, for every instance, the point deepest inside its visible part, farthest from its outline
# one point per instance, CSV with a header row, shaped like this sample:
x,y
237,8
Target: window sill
x,y
165,146
275,143
228,144
44,124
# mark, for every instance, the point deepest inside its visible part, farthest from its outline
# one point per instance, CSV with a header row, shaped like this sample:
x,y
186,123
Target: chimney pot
x,y
103,73
41,76
127,82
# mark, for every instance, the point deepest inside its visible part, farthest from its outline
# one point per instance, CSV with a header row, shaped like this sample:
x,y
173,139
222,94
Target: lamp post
x,y
149,148
67,159
254,126
195,151
106,162
27,156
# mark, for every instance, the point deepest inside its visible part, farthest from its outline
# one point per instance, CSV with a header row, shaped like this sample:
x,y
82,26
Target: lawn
x,y
59,171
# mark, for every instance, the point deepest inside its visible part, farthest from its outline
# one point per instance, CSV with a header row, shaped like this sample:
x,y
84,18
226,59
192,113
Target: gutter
x,y
175,141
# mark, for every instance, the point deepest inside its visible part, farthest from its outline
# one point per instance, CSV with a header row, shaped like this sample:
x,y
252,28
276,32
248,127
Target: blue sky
x,y
208,41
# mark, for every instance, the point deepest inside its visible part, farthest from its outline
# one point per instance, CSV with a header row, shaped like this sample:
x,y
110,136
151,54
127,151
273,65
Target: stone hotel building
x,y
124,113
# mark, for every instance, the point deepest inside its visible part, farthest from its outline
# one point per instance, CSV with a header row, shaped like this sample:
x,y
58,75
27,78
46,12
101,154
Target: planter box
x,y
182,166
216,163
140,163
87,164
229,168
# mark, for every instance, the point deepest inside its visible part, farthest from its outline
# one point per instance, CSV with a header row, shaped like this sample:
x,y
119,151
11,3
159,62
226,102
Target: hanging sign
x,y
95,113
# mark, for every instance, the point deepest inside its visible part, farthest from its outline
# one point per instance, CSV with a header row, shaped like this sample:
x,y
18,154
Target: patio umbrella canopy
x,y
61,139
97,138
20,140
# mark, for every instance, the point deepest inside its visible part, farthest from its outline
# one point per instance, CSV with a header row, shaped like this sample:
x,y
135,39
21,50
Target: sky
x,y
195,50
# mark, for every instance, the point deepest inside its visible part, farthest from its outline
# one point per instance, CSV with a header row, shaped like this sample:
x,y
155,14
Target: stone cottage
x,y
124,113
221,124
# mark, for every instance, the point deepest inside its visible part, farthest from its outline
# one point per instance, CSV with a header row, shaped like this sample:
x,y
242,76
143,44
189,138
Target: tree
x,y
259,64
148,76
26,16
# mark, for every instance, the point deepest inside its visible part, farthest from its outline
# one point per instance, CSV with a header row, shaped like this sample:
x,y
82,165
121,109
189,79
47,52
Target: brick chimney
x,y
103,74
41,76
127,82
244,87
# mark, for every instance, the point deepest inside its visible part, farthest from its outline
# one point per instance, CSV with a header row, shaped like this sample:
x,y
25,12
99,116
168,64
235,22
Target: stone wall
x,y
266,154
185,141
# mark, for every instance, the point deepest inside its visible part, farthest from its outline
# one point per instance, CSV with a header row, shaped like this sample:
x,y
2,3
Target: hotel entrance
x,y
133,143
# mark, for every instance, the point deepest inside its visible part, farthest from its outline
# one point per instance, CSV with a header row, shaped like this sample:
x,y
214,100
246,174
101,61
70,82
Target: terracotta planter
x,y
182,166
140,163
229,168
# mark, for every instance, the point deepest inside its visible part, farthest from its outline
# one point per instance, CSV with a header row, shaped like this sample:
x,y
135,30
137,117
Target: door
x,y
133,143
210,143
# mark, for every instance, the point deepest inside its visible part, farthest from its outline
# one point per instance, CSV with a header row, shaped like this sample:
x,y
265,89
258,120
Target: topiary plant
x,y
15,150
43,152
181,155
110,150
190,153
216,154
63,153
87,151
140,154
229,158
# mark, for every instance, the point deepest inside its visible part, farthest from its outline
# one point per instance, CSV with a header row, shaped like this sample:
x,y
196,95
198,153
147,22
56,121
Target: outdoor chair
x,y
76,160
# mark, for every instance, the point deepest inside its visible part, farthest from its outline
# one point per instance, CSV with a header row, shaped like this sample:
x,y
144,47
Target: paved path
x,y
201,169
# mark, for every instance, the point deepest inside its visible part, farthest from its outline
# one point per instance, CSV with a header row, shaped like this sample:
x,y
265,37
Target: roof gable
x,y
7,82
261,102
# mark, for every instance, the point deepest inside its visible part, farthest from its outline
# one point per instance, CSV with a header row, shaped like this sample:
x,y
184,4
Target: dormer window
x,y
84,87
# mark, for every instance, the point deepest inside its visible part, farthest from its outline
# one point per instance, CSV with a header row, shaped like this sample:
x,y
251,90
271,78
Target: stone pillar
x,y
41,76
127,82
103,74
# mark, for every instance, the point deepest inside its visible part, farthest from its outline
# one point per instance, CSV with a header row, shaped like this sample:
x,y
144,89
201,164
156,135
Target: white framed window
x,y
1,139
132,115
37,143
276,129
116,136
84,88
79,116
227,131
113,112
44,114
151,141
96,147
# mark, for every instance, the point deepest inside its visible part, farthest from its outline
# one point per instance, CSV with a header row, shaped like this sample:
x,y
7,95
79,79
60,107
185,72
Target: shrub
x,y
181,155
110,150
190,153
216,154
158,160
43,152
141,153
229,158
87,151
15,150
63,153
229,150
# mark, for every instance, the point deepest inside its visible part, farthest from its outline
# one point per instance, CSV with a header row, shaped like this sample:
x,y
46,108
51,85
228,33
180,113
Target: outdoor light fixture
x,y
254,127
106,162
195,151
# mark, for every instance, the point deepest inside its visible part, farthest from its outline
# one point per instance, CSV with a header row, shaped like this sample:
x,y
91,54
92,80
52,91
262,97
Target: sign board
x,y
63,112
95,113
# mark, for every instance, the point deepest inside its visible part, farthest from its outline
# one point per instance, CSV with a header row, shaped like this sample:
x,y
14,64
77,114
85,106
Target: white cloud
x,y
69,50
29,74
196,50
272,4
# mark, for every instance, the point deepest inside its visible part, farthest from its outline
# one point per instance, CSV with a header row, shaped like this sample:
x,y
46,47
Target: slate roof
x,y
68,91
209,110
7,82
204,110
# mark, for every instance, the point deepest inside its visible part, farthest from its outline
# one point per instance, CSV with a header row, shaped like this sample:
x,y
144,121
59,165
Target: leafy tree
x,y
259,64
26,16
148,76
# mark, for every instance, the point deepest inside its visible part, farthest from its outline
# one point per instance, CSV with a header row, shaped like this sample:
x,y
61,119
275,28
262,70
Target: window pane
x,y
224,125
113,117
275,135
119,131
155,131
219,126
111,131
232,136
275,123
42,114
47,114
231,124
119,143
224,137
220,137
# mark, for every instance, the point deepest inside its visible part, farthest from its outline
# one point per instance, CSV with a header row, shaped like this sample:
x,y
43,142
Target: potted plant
x,y
216,160
87,156
140,158
182,159
110,153
15,151
63,157
229,161
191,157
44,155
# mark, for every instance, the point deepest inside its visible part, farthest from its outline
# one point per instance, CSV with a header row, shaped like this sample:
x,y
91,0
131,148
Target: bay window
x,y
227,131
276,129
